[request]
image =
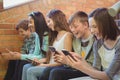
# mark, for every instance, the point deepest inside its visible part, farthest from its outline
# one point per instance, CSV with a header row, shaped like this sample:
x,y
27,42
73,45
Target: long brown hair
x,y
106,24
60,22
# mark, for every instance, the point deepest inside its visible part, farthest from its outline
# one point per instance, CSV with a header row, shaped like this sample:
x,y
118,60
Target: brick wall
x,y
8,18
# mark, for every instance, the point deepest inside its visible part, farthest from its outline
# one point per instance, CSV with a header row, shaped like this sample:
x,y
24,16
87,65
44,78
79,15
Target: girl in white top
x,y
59,45
62,38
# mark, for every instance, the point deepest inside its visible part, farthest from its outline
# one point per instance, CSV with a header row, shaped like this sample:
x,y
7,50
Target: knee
x,y
30,71
25,67
54,74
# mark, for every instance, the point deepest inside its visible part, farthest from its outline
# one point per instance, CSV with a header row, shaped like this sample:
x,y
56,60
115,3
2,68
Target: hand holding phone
x,y
67,53
33,62
52,49
29,60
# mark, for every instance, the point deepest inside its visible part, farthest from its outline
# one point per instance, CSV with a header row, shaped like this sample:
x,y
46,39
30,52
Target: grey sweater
x,y
113,70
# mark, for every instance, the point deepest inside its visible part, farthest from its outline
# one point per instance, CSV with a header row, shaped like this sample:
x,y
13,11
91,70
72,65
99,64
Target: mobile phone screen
x,y
30,60
52,49
67,53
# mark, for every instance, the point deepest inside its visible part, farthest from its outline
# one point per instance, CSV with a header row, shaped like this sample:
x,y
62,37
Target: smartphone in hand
x,y
33,62
67,53
29,60
52,49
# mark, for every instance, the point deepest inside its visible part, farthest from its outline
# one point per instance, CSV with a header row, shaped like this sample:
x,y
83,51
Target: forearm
x,y
43,60
31,56
94,73
13,56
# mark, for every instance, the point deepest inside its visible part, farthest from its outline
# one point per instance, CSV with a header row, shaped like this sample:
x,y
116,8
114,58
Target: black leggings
x,y
14,71
10,70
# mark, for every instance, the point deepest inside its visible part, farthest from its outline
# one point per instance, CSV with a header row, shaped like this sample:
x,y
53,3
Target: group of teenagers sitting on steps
x,y
86,47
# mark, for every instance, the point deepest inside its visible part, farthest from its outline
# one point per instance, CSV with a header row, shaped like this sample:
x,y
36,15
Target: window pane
x,y
11,3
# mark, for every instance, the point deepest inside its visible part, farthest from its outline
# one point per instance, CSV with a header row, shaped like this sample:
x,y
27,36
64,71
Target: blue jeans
x,y
60,73
31,72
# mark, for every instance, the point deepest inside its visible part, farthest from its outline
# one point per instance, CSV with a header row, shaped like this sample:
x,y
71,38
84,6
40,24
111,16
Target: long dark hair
x,y
40,25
